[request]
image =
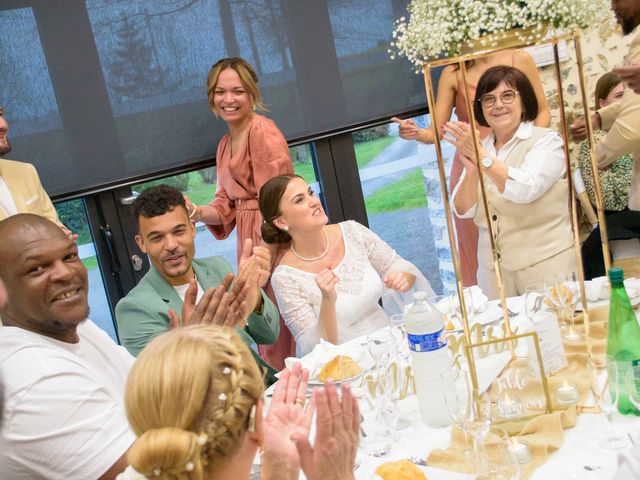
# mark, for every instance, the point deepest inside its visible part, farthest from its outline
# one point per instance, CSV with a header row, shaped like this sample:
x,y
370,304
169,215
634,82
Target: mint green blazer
x,y
142,314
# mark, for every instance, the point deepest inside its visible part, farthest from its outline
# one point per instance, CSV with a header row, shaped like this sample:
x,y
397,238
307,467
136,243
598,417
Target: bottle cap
x,y
419,296
616,275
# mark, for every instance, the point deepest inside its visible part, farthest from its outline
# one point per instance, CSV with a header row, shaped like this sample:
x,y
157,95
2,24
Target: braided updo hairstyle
x,y
269,203
189,399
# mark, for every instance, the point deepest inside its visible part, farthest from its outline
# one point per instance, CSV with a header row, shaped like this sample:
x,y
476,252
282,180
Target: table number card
x,y
551,347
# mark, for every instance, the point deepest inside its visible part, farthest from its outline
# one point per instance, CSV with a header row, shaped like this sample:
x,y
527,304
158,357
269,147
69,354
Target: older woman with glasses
x,y
524,174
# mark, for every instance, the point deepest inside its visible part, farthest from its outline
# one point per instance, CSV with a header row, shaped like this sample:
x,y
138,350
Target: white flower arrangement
x,y
440,27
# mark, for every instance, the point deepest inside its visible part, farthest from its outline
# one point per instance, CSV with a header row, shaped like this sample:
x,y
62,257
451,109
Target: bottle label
x,y
427,342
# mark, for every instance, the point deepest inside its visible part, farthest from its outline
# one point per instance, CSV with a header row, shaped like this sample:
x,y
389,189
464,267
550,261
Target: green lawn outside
x,y
367,151
403,194
305,170
90,262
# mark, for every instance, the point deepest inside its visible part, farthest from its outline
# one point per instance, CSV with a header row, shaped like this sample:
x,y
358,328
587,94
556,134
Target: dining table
x,y
579,457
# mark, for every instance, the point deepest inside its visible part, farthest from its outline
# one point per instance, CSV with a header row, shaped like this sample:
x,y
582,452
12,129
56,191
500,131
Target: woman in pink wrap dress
x,y
253,152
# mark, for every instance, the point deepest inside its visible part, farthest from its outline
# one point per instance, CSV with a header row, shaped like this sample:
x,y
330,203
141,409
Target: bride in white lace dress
x,y
330,280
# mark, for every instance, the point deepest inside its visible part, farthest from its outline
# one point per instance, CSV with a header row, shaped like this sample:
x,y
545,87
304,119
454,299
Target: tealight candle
x,y
509,407
567,393
572,335
521,450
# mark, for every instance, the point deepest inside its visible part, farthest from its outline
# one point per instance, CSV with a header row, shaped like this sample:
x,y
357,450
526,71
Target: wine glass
x,y
533,298
399,334
502,463
605,387
552,295
377,411
460,405
568,298
381,346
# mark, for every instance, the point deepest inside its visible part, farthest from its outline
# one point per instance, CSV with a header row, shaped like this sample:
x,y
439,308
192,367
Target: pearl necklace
x,y
307,259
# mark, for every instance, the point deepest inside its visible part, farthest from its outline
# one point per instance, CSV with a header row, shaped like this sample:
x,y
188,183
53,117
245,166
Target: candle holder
x,y
571,335
521,450
567,393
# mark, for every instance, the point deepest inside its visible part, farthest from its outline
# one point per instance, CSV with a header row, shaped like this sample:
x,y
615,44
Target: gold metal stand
x,y
460,60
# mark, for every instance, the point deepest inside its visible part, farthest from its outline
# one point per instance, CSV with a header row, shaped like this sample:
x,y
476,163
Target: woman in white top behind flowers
x,y
330,280
524,174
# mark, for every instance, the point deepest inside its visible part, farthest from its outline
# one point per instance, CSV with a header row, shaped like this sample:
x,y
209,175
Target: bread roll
x,y
400,470
339,368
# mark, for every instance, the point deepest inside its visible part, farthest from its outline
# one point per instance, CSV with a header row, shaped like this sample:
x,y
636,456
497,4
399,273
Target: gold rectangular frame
x,y
511,339
460,60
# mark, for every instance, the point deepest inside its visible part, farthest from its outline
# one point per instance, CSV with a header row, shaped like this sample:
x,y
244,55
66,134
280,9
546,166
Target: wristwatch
x,y
487,161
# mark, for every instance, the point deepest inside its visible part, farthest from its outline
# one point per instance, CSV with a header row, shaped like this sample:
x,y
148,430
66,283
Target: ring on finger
x,y
300,401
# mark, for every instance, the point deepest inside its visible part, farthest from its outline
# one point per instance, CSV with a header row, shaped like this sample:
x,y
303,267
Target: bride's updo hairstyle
x,y
191,398
269,202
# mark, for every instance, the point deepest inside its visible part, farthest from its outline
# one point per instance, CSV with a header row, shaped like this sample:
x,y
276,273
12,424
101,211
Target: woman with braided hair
x,y
194,398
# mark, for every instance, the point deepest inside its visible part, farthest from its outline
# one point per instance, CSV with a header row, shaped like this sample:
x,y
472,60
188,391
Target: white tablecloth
x,y
579,449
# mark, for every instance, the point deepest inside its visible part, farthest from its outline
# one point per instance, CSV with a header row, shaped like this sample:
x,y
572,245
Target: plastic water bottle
x,y
430,361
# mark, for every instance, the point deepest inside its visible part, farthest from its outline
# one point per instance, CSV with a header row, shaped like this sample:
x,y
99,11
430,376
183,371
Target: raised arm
x,y
445,100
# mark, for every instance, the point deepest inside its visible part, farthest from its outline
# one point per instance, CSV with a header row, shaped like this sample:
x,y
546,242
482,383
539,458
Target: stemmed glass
x,y
605,387
533,298
378,411
568,297
502,463
553,296
381,346
399,334
399,363
460,405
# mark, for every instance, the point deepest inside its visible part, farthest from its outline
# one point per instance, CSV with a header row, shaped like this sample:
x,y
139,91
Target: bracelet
x,y
193,212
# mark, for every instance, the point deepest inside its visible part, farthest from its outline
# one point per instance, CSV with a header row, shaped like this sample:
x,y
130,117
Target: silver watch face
x,y
487,162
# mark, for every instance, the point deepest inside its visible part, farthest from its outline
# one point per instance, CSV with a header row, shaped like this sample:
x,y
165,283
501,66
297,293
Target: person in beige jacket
x,y
620,119
525,183
20,187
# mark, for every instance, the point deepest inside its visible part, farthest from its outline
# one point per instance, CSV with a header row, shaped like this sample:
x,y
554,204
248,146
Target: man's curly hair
x,y
158,200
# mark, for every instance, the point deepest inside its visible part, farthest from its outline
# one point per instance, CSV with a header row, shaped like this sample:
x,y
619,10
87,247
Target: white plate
x,y
491,313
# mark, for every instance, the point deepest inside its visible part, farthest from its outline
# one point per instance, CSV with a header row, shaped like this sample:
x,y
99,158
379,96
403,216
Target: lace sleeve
x,y
298,302
384,259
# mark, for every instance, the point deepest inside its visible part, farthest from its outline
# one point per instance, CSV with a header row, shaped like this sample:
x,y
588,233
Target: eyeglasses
x,y
488,100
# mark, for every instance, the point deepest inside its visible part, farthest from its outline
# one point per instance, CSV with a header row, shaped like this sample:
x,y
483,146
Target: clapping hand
x,y
327,281
262,255
399,281
337,435
462,138
214,308
253,267
287,416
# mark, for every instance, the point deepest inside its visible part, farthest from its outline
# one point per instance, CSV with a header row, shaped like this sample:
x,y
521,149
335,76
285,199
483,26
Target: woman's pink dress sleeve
x,y
268,152
221,202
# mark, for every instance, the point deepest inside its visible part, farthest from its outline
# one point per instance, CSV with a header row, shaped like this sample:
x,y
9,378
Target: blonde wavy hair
x,y
189,399
247,76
